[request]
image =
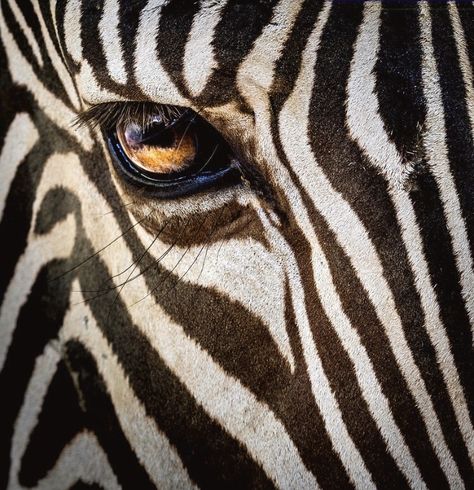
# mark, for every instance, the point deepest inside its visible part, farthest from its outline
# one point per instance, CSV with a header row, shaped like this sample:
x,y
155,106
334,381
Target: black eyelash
x,y
109,114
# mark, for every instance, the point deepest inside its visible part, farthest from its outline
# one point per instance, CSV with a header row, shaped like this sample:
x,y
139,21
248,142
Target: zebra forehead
x,y
180,52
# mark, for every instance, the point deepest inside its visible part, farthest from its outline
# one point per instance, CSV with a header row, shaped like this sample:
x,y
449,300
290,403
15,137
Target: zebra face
x,y
238,243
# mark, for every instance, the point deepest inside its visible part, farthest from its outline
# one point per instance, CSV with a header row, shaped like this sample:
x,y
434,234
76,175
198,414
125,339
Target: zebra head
x,y
237,244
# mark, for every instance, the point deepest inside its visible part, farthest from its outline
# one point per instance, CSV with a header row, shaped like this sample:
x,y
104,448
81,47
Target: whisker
x,y
219,251
105,291
211,233
95,254
116,208
137,262
169,272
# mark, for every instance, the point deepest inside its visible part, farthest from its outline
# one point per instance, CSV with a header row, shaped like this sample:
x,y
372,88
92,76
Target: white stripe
x,y
433,323
437,155
356,244
57,244
464,62
30,37
240,262
367,127
72,29
150,74
225,399
91,91
23,74
111,42
222,396
150,445
365,123
19,140
325,399
82,459
363,368
199,61
257,70
40,250
43,372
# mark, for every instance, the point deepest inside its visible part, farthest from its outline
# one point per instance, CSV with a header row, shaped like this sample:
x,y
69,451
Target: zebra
x,y
237,244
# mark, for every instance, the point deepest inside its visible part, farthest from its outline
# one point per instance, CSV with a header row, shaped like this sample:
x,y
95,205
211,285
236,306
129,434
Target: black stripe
x,y
59,421
466,14
402,107
398,79
129,15
101,418
337,365
16,220
362,315
45,307
17,33
47,73
242,22
241,343
288,66
77,400
443,273
358,307
175,24
93,50
373,449
17,217
45,9
211,457
458,128
366,191
13,225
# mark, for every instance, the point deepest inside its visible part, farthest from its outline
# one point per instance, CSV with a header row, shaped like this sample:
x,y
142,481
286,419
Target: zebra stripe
x,y
311,327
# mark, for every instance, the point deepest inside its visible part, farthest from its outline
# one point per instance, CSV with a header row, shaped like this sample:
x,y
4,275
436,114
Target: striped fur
x,y
311,327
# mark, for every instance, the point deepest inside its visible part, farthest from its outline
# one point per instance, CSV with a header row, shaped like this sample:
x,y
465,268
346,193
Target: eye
x,y
170,151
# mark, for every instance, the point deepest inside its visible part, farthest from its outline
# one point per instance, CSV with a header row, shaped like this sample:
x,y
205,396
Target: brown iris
x,y
158,148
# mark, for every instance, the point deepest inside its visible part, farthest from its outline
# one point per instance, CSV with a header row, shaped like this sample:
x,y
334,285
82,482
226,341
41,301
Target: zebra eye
x,y
171,153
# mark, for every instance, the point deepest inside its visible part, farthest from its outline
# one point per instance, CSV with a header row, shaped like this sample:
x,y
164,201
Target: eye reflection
x,y
157,148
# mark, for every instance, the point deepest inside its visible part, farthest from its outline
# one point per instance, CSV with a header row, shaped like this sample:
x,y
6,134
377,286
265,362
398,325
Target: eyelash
x,y
110,114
